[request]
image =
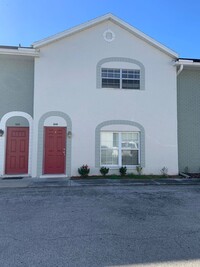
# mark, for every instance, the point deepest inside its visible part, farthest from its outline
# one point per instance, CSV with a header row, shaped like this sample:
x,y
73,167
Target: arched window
x,y
120,73
120,143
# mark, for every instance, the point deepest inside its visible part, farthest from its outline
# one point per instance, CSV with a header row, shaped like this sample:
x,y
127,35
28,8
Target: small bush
x,y
104,171
123,170
84,170
186,169
164,171
139,170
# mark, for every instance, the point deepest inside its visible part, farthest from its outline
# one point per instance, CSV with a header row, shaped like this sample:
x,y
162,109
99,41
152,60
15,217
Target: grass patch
x,y
128,176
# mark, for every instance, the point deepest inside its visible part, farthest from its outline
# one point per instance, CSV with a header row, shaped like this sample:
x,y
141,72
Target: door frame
x,y
6,171
44,144
40,153
3,140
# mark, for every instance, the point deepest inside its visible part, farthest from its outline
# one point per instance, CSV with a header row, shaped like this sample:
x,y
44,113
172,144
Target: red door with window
x,y
54,150
17,147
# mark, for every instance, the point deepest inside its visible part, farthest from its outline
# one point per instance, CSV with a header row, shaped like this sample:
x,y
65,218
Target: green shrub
x,y
104,171
84,170
186,170
123,170
164,171
139,170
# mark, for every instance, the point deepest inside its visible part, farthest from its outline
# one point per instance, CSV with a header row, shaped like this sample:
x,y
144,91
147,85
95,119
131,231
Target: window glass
x,y
110,83
120,78
132,74
130,79
129,140
130,84
109,156
109,140
111,73
119,148
109,148
129,157
110,78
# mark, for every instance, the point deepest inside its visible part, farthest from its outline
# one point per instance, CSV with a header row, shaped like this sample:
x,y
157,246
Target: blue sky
x,y
174,23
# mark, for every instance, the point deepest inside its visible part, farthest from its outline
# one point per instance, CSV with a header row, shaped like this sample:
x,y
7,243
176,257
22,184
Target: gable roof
x,y
107,17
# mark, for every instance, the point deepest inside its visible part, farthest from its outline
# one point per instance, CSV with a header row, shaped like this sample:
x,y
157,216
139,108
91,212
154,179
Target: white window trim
x,y
120,151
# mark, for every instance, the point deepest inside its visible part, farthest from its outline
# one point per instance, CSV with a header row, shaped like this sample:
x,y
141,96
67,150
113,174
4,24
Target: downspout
x,y
178,72
180,69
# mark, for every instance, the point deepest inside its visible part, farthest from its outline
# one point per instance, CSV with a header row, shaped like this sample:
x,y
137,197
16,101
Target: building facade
x,y
101,94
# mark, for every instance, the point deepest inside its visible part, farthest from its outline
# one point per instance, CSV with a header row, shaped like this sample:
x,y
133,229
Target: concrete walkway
x,y
63,182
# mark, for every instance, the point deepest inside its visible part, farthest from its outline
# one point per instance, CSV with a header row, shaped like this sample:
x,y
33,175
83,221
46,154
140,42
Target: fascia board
x,y
187,63
69,32
96,21
144,37
20,52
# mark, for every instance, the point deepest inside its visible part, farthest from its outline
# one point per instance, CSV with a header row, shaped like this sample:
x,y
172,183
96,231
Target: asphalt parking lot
x,y
100,226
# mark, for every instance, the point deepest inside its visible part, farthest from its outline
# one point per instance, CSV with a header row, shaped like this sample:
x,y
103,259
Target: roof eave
x,y
187,63
31,52
145,37
70,31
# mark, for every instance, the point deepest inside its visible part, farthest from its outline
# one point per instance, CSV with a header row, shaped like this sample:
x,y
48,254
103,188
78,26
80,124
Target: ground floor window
x,y
120,148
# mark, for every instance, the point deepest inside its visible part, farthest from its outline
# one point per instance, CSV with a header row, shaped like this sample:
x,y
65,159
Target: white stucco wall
x,y
65,80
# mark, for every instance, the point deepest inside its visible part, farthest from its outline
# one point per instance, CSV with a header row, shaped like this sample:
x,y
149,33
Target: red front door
x,y
17,150
54,150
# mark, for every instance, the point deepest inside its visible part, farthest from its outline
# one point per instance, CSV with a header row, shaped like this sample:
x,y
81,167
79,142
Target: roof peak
x,y
98,20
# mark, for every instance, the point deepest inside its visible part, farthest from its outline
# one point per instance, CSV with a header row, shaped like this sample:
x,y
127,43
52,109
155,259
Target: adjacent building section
x,y
16,83
188,106
16,109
